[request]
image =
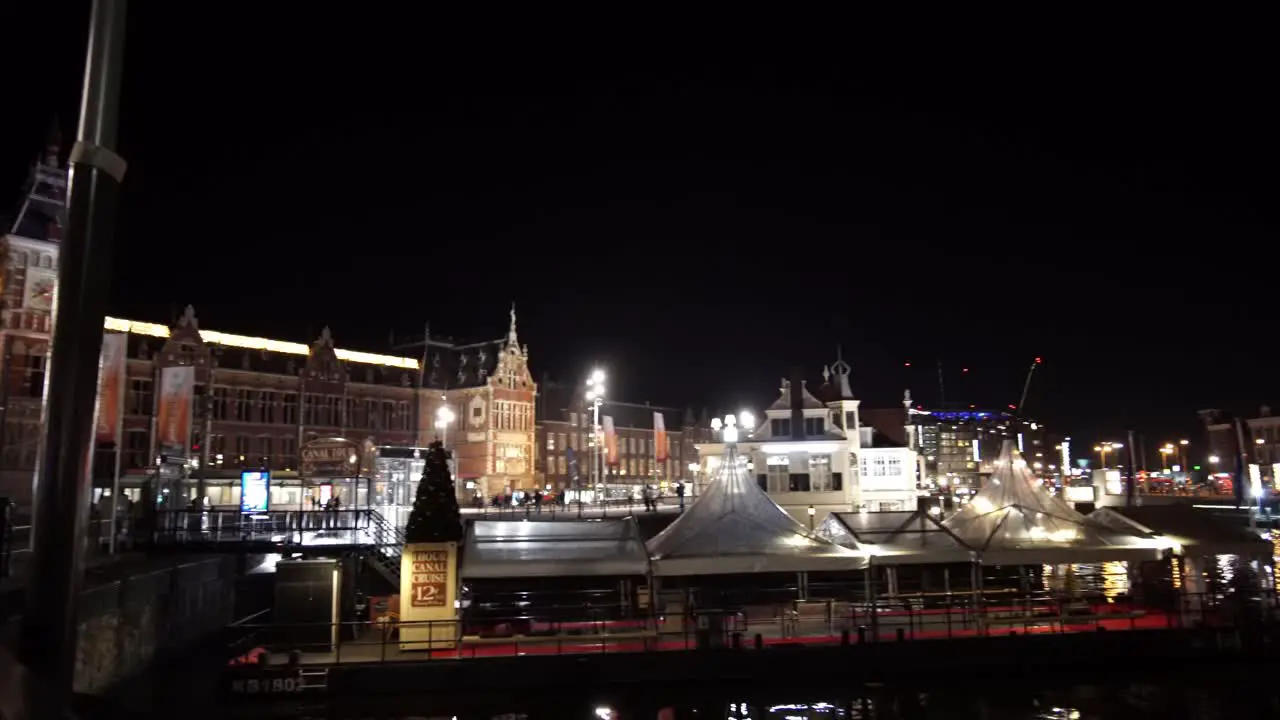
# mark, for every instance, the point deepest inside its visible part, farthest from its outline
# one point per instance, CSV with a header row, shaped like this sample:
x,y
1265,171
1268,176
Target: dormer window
x,y
814,426
780,427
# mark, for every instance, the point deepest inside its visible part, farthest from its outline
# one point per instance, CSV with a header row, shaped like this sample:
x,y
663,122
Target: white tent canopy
x,y
1014,520
896,538
734,527
498,549
1187,530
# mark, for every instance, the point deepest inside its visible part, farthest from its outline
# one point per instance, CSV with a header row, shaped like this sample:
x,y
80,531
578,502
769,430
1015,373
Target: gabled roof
x,y
734,527
808,401
1014,512
521,549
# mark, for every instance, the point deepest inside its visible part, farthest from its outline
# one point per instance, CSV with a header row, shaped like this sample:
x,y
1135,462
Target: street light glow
x,y
444,415
747,421
597,377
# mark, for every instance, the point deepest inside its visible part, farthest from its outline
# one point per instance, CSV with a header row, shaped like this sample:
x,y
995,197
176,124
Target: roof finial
x,y
841,370
512,340
188,318
906,399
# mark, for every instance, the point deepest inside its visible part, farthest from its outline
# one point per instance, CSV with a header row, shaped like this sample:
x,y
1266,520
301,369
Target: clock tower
x,y
28,287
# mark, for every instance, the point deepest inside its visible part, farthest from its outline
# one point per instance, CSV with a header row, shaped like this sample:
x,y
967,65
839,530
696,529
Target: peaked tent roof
x,y
1014,513
734,527
896,538
1197,532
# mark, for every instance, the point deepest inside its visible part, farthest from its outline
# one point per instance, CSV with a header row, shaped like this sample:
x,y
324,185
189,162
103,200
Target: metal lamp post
x,y
61,492
595,396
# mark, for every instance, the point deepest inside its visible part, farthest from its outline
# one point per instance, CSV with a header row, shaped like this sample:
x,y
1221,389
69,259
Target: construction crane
x,y
1025,387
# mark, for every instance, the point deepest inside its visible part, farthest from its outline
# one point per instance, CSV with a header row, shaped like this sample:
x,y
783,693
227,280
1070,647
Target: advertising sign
x,y
659,437
430,578
255,491
610,442
428,595
110,389
173,416
331,457
1076,494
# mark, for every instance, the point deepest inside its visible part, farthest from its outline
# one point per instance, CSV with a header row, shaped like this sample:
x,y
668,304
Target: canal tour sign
x,y
331,457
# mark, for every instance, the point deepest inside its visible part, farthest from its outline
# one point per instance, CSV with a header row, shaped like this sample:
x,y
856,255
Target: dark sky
x,y
698,223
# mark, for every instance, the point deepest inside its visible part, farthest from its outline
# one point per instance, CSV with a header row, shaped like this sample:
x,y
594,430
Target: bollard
x,y
737,641
844,637
759,640
295,658
265,658
900,634
862,634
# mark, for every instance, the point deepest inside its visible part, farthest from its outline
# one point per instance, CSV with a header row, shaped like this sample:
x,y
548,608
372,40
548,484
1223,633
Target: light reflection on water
x,y
1111,579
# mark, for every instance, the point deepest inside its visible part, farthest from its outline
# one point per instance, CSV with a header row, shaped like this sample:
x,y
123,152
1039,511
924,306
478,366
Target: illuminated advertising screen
x,y
255,491
1078,494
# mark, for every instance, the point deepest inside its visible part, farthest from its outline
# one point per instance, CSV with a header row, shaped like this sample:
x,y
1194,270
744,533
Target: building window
x,y
289,452
780,427
850,419
778,480
814,426
892,466
551,441
290,415
561,465
137,445
140,401
820,473
800,482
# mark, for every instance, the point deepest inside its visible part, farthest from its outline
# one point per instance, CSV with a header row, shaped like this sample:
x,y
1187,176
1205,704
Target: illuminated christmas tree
x,y
435,516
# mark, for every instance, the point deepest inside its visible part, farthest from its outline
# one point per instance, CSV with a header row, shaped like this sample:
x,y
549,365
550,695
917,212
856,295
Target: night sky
x,y
698,224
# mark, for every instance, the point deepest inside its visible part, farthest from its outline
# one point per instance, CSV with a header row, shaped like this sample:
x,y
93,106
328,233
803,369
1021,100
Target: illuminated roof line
x,y
255,343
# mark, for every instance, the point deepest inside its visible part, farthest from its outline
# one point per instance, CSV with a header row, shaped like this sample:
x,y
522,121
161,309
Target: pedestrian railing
x,y
823,622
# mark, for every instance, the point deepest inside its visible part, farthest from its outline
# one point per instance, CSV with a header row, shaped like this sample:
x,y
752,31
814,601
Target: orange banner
x,y
111,388
610,442
659,437
173,415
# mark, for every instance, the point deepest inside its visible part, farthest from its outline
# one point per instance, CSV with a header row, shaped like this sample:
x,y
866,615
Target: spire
x,y
512,340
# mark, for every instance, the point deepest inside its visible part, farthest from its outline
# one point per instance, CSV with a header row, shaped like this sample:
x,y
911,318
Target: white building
x,y
814,453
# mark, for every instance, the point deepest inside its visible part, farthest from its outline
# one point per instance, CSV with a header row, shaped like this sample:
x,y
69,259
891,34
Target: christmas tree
x,y
435,516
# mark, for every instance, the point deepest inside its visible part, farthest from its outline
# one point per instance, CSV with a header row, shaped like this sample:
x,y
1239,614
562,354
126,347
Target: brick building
x,y
491,394
564,423
29,250
269,397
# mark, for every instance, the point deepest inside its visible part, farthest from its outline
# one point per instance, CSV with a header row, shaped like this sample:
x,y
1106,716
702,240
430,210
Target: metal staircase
x,y
388,545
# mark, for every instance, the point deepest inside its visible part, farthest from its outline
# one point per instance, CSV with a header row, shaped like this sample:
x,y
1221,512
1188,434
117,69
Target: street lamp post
x,y
1182,453
1106,447
595,396
1165,452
